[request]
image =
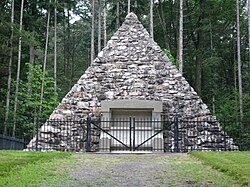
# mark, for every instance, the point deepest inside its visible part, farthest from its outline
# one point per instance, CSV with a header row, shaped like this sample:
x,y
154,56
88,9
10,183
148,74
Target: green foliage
x,y
228,110
235,164
228,105
171,58
214,18
29,95
2,109
71,64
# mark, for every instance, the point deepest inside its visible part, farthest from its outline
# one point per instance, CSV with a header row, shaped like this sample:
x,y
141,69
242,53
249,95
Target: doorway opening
x,y
131,125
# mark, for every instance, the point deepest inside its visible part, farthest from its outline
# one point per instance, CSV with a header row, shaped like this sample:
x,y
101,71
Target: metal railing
x,y
179,135
36,135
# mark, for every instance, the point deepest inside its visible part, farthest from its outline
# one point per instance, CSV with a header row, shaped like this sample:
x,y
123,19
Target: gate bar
x,y
133,133
176,132
130,133
110,135
88,147
162,129
148,139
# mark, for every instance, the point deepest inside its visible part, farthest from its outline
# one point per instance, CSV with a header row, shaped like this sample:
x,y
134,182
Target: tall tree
x,y
32,59
45,57
10,65
104,23
239,59
180,52
10,61
68,39
117,15
55,48
65,46
152,18
163,25
248,16
128,6
18,67
99,26
92,52
199,47
32,9
72,59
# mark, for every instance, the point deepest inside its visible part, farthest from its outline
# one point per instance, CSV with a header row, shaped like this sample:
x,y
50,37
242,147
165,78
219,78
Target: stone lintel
x,y
155,106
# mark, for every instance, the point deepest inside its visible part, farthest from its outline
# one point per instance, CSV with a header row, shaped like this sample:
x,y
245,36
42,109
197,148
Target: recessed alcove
x,y
132,122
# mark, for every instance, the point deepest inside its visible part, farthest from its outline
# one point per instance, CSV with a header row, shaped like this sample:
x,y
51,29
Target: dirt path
x,y
143,170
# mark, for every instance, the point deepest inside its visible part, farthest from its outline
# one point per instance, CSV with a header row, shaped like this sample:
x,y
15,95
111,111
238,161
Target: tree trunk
x,y
68,42
180,53
235,79
10,66
99,26
163,24
198,65
55,49
45,59
89,57
32,54
92,53
32,58
104,23
18,68
64,44
213,100
211,36
248,16
152,18
73,60
239,59
199,48
128,6
235,84
117,15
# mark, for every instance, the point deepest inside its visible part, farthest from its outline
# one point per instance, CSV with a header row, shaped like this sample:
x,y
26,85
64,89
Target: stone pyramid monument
x,y
131,68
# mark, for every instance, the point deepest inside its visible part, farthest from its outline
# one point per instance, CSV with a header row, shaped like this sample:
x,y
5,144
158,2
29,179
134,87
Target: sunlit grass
x,y
234,164
19,168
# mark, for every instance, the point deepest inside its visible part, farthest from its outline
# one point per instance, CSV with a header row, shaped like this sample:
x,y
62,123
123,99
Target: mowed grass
x,y
19,168
234,164
25,169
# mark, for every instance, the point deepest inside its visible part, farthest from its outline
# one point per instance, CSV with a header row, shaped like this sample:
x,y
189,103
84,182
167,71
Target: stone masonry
x,y
133,66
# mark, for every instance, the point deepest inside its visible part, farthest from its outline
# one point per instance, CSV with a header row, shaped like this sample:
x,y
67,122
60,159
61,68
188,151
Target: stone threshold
x,y
132,152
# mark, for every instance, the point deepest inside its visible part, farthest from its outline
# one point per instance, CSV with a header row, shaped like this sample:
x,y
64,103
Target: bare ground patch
x,y
130,170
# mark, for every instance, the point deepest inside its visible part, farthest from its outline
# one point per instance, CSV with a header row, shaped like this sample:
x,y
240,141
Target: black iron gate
x,y
129,134
132,134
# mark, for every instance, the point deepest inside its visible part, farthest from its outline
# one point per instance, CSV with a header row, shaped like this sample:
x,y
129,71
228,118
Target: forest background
x,y
46,45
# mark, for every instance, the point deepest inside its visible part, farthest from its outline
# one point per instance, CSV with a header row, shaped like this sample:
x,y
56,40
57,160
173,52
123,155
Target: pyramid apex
x,y
131,16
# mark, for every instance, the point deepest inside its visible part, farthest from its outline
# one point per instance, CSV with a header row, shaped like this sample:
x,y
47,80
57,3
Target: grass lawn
x,y
234,164
19,168
25,169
